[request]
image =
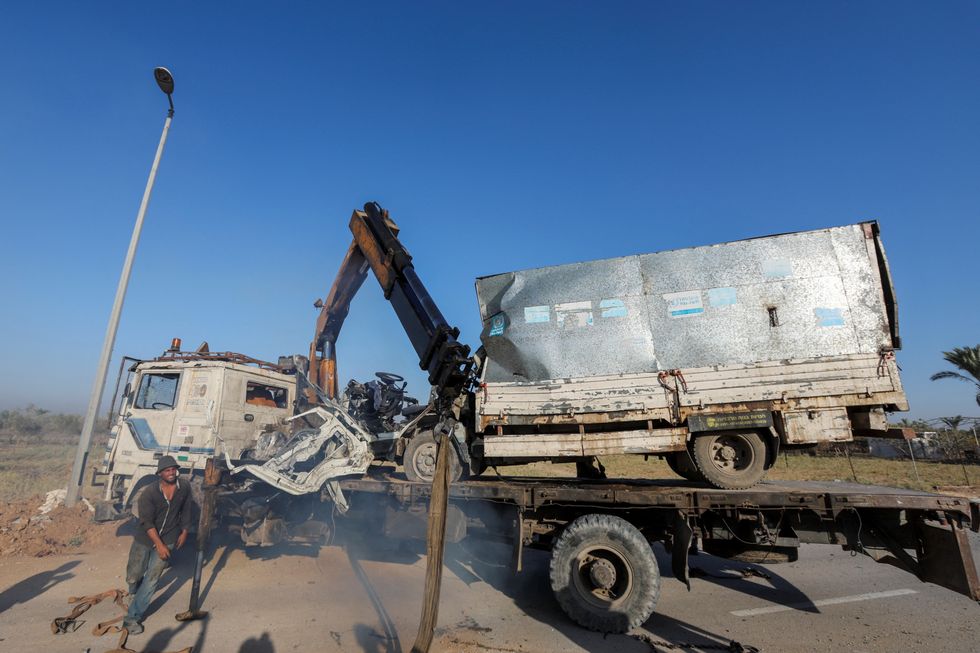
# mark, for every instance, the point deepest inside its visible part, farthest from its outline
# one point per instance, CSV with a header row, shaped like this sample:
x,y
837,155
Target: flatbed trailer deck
x,y
603,571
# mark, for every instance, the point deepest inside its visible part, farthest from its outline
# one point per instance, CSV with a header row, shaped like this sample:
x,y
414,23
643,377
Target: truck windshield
x,y
157,391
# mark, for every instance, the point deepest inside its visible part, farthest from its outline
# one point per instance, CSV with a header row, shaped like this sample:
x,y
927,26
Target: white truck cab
x,y
192,406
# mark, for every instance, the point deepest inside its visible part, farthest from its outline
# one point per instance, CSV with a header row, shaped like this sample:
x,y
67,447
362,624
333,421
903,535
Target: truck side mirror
x,y
128,389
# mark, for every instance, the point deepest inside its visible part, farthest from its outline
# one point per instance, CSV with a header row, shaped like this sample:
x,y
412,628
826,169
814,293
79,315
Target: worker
x,y
164,511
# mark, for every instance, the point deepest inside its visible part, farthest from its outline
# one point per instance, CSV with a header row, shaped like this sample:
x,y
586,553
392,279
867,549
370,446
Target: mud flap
x,y
269,531
107,511
946,559
683,533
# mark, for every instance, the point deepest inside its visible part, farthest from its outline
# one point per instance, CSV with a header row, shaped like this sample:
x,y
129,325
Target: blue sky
x,y
501,135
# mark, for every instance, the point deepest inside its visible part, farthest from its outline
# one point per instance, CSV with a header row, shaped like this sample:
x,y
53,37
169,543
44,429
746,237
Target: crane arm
x,y
376,247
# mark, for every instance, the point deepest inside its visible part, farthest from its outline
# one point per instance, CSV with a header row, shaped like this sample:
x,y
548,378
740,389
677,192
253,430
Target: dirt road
x,y
365,598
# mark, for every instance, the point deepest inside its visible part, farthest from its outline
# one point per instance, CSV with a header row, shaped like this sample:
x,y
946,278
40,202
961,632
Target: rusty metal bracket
x,y
683,534
946,559
518,555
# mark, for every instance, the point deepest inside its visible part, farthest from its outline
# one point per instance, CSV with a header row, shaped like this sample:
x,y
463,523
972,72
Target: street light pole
x,y
166,83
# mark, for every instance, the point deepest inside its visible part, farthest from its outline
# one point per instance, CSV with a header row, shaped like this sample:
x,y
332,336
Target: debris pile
x,y
41,527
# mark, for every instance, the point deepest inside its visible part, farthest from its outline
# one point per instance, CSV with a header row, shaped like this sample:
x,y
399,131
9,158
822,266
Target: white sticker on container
x,y
537,314
574,314
684,304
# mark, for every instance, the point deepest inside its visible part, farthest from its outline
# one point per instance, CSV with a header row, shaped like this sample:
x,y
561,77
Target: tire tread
x,y
600,528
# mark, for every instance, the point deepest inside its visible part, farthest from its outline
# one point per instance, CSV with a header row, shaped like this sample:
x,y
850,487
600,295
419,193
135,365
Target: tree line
x,y
21,423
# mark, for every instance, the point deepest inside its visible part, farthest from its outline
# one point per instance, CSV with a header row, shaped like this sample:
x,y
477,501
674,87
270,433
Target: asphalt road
x,y
366,599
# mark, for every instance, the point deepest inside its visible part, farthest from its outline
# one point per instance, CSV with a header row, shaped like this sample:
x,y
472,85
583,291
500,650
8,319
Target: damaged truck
x,y
251,414
714,357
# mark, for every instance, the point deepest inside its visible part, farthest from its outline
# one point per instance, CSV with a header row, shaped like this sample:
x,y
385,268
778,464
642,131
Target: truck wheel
x,y
420,459
604,574
681,464
730,461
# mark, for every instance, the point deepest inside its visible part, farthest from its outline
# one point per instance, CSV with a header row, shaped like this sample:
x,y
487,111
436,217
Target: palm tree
x,y
952,423
968,360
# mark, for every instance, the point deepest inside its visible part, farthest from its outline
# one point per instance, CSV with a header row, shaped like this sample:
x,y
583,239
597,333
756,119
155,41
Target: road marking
x,y
816,604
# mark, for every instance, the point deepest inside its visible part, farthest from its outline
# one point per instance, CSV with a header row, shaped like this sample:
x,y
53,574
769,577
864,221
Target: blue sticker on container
x,y
829,317
722,296
612,308
497,324
777,268
537,314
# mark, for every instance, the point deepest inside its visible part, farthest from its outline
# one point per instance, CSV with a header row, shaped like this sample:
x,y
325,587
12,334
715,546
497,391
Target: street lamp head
x,y
164,80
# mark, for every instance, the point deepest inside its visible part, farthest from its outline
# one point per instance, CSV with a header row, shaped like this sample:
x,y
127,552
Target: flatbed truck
x,y
600,533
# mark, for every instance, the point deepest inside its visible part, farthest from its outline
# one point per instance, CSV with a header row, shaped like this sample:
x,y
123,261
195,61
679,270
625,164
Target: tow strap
x,y
70,622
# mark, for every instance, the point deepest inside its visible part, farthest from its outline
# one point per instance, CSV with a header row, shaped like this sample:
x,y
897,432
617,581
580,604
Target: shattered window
x,y
269,396
157,391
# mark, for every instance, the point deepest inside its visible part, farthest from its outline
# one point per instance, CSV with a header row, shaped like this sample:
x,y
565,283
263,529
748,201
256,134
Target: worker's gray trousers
x,y
142,575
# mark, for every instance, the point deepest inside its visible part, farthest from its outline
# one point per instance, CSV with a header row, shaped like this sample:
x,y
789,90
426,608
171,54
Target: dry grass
x,y
873,471
27,470
879,471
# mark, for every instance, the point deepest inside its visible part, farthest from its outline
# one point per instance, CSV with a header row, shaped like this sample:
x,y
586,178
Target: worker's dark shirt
x,y
168,517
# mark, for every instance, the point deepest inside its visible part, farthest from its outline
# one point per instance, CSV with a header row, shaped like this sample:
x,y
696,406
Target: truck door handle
x,y
249,417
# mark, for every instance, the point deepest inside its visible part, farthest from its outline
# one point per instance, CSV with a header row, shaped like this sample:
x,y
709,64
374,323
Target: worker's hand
x,y
163,551
181,539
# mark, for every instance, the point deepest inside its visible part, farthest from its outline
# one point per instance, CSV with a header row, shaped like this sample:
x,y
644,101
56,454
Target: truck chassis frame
x,y
922,533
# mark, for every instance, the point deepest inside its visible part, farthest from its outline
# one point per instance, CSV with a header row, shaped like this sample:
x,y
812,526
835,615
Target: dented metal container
x,y
799,295
799,326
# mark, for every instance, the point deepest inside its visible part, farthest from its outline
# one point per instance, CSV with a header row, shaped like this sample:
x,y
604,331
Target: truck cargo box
x,y
792,334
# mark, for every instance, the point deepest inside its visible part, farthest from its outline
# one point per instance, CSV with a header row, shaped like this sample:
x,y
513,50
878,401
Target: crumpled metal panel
x,y
801,295
349,455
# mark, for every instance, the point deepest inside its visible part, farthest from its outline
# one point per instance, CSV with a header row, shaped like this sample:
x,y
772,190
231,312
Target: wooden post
x,y
915,468
435,540
847,454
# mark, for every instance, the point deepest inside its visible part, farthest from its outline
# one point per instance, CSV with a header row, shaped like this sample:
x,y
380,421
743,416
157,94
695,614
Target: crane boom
x,y
376,247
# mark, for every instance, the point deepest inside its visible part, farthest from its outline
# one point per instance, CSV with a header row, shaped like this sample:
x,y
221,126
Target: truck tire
x,y
419,460
731,460
680,463
604,574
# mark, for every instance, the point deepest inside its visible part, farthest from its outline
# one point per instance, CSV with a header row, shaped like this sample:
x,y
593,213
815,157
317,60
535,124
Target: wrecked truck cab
x,y
192,406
